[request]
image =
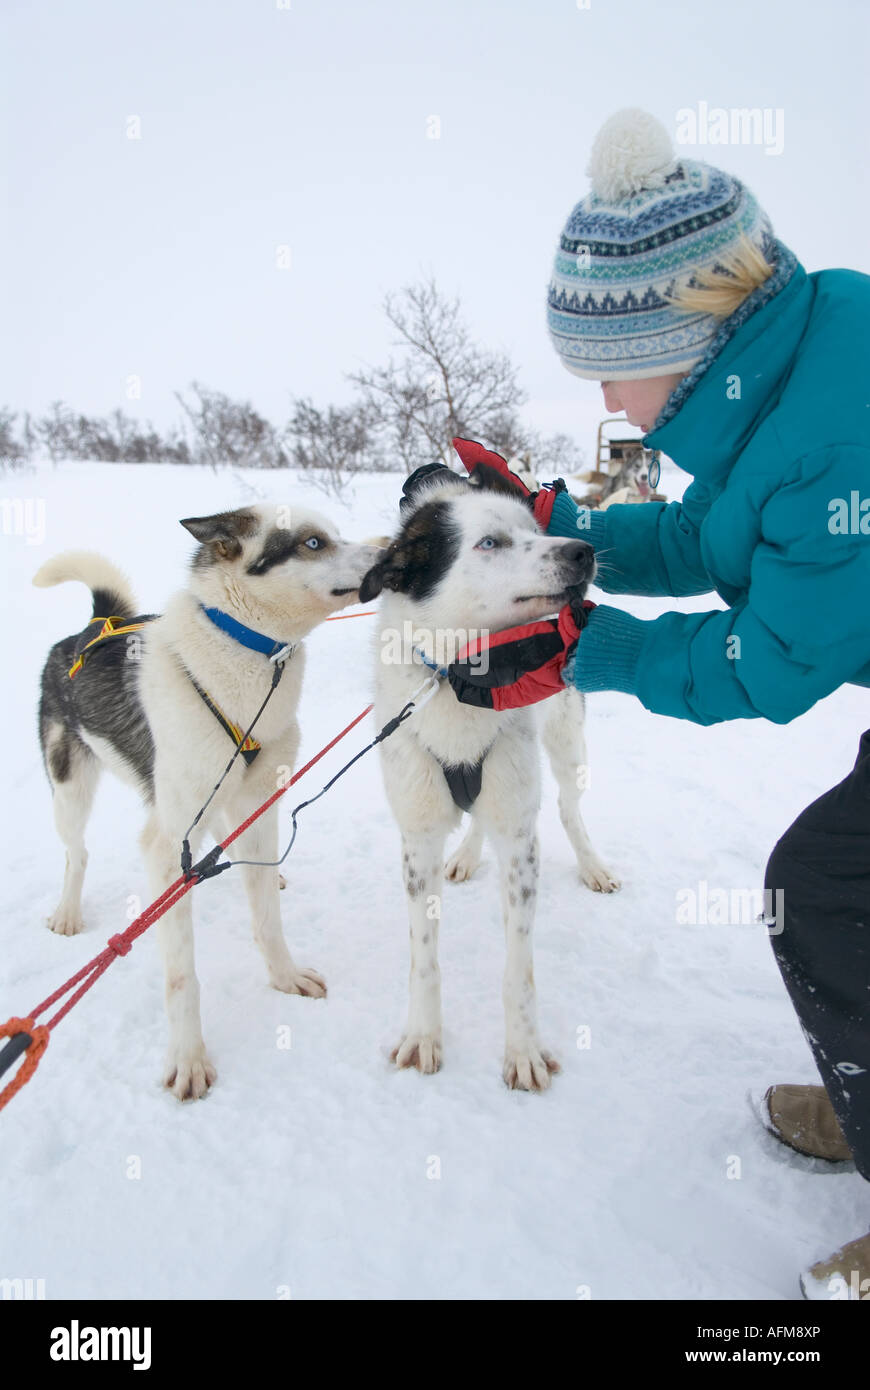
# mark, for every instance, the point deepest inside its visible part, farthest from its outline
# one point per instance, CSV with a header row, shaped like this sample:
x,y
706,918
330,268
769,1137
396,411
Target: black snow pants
x,y
822,867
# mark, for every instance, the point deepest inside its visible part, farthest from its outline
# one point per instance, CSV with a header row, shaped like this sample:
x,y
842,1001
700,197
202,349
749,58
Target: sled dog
x,y
160,701
468,558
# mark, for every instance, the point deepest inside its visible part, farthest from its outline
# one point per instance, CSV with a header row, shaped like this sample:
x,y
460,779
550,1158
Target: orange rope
x,y
31,1057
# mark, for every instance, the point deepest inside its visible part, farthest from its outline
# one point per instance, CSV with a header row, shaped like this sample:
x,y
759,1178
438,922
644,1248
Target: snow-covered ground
x,y
319,1171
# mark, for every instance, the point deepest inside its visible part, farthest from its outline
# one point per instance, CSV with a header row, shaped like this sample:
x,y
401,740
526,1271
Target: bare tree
x,y
549,456
332,445
56,432
230,432
119,439
441,385
11,452
29,437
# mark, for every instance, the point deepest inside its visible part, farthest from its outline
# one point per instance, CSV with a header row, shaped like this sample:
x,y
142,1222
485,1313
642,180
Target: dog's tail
x,y
111,589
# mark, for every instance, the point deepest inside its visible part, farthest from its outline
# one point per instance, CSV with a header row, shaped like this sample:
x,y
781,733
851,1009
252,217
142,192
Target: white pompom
x,y
632,150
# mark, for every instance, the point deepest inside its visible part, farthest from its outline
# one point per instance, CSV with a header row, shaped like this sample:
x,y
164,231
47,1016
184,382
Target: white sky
x,y
307,127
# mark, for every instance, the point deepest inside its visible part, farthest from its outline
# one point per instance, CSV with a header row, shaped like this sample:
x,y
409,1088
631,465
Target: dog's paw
x,y
422,1051
188,1075
598,877
528,1070
306,982
461,865
65,923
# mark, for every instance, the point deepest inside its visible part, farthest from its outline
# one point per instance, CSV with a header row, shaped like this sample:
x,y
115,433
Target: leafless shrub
x,y
229,432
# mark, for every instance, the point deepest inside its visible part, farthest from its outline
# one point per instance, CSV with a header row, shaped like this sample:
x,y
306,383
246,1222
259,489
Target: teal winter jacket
x,y
776,520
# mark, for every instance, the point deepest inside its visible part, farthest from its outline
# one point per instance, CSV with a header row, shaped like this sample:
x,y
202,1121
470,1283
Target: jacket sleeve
x,y
653,549
803,631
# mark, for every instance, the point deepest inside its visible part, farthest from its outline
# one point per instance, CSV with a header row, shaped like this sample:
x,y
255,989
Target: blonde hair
x,y
721,290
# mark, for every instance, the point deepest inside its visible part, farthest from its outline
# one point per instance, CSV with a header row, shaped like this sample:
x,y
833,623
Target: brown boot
x,y
803,1118
845,1275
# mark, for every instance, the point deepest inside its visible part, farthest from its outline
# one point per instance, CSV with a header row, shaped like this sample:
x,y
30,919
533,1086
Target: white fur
x,y
71,804
191,750
479,590
631,151
88,567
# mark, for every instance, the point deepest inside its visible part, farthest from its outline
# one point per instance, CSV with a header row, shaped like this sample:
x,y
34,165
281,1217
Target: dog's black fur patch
x,y
421,478
419,557
491,480
59,760
108,604
428,542
281,545
101,700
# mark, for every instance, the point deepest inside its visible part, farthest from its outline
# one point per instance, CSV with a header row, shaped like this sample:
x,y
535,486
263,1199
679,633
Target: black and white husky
x,y
261,579
468,559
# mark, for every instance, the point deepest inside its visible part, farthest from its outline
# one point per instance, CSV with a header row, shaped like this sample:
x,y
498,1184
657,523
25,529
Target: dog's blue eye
x,y
488,543
313,543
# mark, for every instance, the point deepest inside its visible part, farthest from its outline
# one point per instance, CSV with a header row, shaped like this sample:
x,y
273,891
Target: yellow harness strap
x,y
111,627
115,626
248,747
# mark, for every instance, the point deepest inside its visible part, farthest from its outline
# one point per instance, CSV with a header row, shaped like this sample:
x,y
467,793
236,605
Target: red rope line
x,y
120,944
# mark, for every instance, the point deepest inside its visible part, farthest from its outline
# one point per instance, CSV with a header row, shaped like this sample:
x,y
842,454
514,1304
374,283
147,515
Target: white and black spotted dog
x,y
469,558
261,579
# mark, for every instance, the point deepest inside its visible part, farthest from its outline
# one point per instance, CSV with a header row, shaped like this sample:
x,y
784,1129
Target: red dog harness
x,y
518,665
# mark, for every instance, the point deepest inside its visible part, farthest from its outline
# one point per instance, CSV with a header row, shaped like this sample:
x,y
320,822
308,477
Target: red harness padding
x,y
518,665
475,457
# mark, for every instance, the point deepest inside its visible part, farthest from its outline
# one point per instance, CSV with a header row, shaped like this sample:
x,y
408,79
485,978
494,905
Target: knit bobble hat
x,y
649,223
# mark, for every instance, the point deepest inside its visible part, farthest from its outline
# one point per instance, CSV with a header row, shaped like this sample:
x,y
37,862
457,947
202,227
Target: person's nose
x,y
612,402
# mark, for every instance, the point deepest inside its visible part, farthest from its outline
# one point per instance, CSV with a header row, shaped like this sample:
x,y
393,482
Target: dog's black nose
x,y
576,550
579,554
580,558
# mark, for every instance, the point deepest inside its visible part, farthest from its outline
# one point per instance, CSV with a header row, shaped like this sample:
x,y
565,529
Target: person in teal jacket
x,y
776,436
670,289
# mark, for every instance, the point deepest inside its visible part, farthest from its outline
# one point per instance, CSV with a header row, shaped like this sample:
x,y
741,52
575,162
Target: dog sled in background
x,y
622,472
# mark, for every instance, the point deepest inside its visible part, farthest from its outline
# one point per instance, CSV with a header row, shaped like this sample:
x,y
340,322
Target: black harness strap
x,y
247,746
464,781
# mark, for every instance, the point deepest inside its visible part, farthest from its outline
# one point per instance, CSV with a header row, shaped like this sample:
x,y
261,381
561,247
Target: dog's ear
x,y
427,473
386,574
419,556
493,480
223,532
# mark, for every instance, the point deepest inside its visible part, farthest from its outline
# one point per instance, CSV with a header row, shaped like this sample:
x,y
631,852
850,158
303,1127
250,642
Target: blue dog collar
x,y
256,641
440,671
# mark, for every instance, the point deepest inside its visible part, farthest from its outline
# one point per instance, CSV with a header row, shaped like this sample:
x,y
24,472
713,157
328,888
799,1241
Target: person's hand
x,y
480,461
519,665
426,473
